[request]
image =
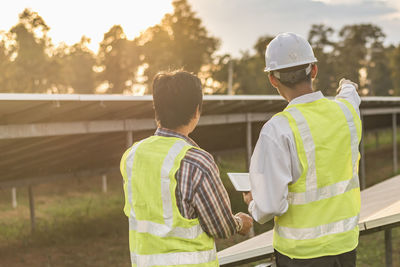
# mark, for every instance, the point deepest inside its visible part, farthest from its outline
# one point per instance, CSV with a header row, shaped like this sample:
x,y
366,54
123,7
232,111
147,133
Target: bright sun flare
x,y
69,20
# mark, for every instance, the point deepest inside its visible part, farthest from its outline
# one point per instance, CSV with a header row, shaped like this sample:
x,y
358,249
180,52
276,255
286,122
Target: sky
x,y
237,23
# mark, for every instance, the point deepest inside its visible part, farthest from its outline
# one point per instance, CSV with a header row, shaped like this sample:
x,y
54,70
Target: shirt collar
x,y
307,98
170,133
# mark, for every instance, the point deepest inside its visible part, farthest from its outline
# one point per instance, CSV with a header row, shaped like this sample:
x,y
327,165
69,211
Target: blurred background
x,y
116,47
87,47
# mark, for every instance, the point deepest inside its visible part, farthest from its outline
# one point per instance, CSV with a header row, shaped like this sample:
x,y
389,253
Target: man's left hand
x,y
247,197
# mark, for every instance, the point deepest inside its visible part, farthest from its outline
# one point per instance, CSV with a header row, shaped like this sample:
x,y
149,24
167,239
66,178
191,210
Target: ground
x,y
78,225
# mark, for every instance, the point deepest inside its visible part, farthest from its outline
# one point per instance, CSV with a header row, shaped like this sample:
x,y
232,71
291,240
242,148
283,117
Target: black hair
x,y
176,97
293,76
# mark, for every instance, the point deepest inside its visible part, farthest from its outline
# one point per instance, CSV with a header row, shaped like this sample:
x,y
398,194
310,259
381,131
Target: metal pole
x,y
249,148
362,163
230,77
388,248
129,138
104,183
394,126
248,140
14,197
32,208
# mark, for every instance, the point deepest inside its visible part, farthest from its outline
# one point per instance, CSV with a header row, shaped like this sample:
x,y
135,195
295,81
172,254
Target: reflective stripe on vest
x,y
167,229
319,231
312,192
179,258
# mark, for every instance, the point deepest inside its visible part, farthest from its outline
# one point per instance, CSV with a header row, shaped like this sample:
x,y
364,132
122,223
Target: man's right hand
x,y
344,81
247,223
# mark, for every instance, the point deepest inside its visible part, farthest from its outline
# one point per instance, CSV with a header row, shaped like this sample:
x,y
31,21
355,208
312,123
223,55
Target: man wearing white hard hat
x,y
304,169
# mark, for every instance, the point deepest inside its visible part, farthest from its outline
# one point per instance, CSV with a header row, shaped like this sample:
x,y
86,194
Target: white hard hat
x,y
288,50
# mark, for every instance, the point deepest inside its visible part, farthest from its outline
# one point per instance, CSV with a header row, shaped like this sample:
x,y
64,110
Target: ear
x,y
273,80
198,113
314,71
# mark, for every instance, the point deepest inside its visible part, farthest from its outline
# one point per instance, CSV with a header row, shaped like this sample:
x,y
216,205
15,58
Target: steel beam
x,y
362,163
379,111
30,181
104,183
32,209
394,127
105,126
249,148
129,139
388,247
14,197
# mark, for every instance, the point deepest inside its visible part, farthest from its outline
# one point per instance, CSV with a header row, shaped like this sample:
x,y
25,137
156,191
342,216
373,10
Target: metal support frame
x,y
249,146
249,151
362,163
35,180
112,126
104,183
14,197
388,232
388,247
394,126
32,209
129,138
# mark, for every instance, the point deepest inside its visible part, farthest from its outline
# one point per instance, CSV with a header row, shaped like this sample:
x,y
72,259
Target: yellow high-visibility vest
x,y
158,234
324,203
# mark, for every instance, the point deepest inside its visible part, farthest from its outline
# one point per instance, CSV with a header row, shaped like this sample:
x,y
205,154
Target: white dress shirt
x,y
275,164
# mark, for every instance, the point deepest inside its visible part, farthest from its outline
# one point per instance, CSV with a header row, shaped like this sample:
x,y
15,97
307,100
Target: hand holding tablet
x,y
240,181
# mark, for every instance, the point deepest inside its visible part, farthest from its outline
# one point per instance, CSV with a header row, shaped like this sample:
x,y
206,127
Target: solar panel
x,y
380,207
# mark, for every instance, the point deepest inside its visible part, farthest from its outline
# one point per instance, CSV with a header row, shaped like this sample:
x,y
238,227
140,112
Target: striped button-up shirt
x,y
200,192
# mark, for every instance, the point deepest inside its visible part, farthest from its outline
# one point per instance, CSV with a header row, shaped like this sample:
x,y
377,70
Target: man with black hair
x,y
174,198
304,169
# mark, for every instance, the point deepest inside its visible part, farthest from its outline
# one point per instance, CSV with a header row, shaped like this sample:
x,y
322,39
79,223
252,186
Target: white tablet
x,y
240,181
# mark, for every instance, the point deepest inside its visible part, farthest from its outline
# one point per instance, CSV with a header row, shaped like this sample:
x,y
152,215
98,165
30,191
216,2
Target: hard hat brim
x,y
291,65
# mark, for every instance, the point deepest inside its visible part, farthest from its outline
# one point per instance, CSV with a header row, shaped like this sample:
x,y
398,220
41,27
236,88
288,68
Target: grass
x,y
78,225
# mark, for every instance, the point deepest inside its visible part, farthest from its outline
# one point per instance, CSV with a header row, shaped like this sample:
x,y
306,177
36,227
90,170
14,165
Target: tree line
x,y
31,63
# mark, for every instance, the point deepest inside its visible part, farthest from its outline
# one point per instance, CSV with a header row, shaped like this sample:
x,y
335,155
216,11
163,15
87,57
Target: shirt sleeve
x,y
212,203
270,173
349,93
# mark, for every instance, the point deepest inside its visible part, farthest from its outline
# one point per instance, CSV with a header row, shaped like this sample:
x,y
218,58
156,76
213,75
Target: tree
x,y
353,50
119,59
30,51
378,71
180,41
319,37
394,63
248,71
250,77
75,68
6,68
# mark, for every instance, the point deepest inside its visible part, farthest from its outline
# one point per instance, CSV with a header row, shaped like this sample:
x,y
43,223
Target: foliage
x,y
320,40
248,75
180,41
31,66
394,64
30,63
359,54
76,65
120,59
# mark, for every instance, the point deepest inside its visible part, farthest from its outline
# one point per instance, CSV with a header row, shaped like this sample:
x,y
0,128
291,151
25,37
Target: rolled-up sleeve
x,y
349,93
212,203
